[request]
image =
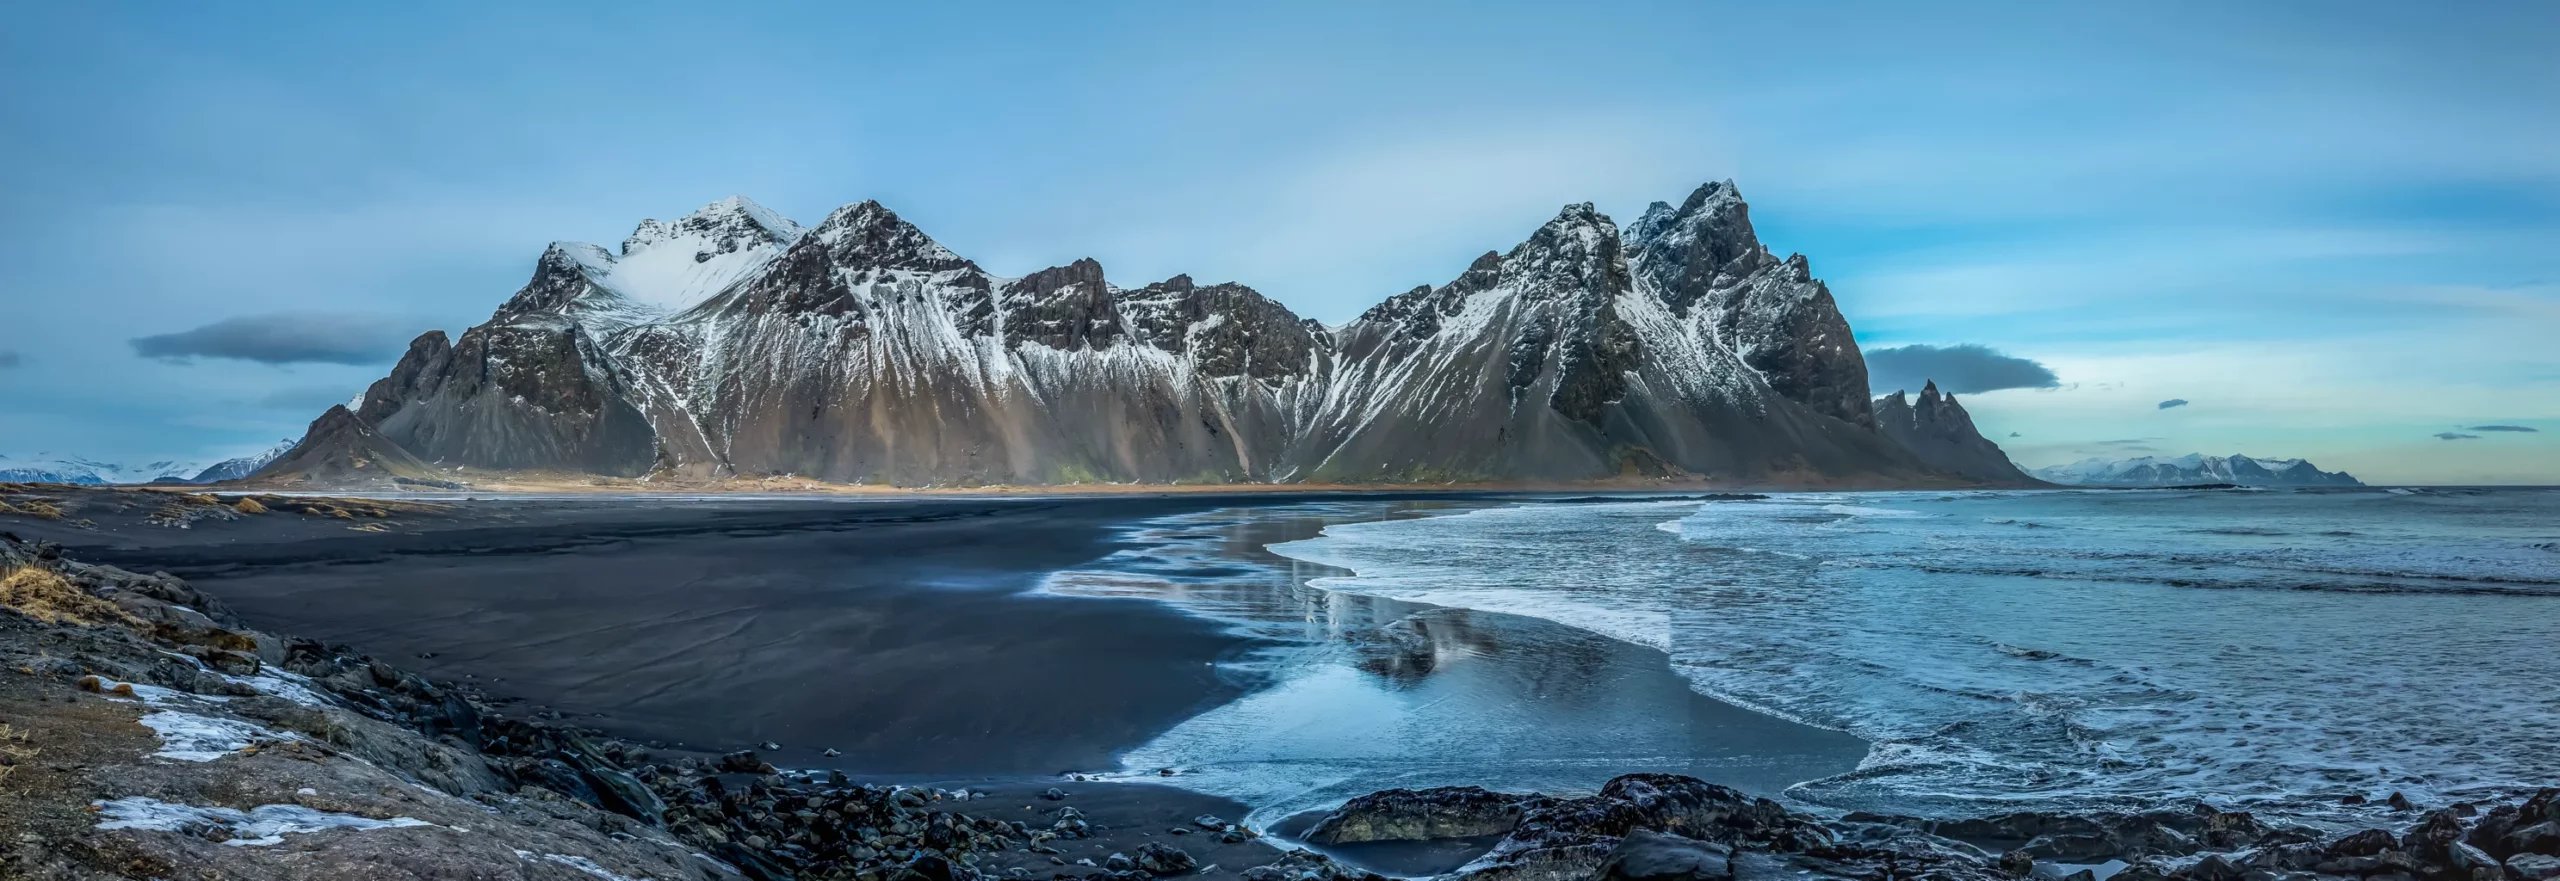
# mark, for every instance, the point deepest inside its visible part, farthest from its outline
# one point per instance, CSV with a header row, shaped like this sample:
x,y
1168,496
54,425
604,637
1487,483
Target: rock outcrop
x,y
1663,826
735,343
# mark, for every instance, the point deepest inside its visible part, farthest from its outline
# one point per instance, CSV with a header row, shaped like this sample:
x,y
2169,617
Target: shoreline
x,y
1496,836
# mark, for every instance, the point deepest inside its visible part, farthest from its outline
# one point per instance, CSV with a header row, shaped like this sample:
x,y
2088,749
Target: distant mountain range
x,y
50,468
2193,469
734,342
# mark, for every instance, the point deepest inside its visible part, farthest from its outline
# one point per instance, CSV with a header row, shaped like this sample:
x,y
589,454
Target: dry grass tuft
x,y
247,505
16,748
45,596
39,508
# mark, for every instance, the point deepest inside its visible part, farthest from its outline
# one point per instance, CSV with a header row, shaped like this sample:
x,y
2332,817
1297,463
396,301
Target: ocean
x,y
1925,653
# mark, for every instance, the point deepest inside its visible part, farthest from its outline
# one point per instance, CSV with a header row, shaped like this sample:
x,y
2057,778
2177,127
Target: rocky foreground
x,y
146,732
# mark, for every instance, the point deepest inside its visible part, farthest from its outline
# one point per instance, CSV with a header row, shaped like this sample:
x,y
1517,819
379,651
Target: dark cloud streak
x,y
2173,402
2523,428
2449,435
286,338
1960,369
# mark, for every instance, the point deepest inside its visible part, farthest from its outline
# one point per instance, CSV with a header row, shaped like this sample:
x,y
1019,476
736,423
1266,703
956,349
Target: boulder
x,y
1421,815
1161,859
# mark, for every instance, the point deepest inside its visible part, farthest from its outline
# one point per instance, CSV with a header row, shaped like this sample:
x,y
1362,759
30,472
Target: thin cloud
x,y
1961,369
2524,428
11,359
2173,402
2450,435
285,338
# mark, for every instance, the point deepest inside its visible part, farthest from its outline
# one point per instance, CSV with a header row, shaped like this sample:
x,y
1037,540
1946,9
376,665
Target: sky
x,y
2331,229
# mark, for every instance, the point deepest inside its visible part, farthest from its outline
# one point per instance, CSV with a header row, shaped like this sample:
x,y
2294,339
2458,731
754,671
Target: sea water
x,y
2272,650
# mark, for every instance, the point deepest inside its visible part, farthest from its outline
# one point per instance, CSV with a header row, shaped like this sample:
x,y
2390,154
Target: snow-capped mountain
x,y
234,469
2194,468
50,468
861,350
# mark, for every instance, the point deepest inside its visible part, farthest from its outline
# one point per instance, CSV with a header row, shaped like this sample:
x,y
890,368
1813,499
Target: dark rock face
x,y
1063,307
860,350
1229,330
1941,433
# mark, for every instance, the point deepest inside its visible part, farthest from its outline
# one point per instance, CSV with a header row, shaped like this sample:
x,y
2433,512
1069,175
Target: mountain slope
x,y
343,451
2192,469
861,350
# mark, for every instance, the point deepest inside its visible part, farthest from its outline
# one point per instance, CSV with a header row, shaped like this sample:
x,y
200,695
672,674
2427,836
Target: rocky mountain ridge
x,y
734,343
1938,430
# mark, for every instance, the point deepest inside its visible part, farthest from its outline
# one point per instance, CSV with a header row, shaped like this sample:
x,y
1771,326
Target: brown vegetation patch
x,y
45,596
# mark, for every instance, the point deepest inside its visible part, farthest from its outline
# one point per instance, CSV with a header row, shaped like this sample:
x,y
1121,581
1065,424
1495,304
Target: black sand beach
x,y
907,634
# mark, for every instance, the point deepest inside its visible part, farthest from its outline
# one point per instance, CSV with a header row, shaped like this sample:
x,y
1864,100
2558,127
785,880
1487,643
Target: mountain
x,y
734,342
50,468
342,451
234,469
2192,469
1941,433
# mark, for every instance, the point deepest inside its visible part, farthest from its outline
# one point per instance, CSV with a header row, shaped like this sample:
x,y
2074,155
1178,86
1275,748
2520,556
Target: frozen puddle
x,y
188,737
256,827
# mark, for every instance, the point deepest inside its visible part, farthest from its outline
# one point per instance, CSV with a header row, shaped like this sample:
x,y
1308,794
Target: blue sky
x,y
2333,228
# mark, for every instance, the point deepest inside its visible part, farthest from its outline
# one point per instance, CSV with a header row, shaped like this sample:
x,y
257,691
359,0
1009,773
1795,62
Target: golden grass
x,y
45,596
247,505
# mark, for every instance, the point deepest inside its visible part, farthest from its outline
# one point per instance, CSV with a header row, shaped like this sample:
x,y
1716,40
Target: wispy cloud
x,y
2173,402
2452,435
2523,428
285,338
11,359
1963,369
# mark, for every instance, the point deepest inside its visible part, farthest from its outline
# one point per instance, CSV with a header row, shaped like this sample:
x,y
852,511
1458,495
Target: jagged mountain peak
x,y
867,235
1704,245
1577,253
724,226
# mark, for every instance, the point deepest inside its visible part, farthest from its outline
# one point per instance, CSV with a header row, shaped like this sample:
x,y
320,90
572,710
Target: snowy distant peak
x,y
50,468
1063,307
234,469
870,236
2194,468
